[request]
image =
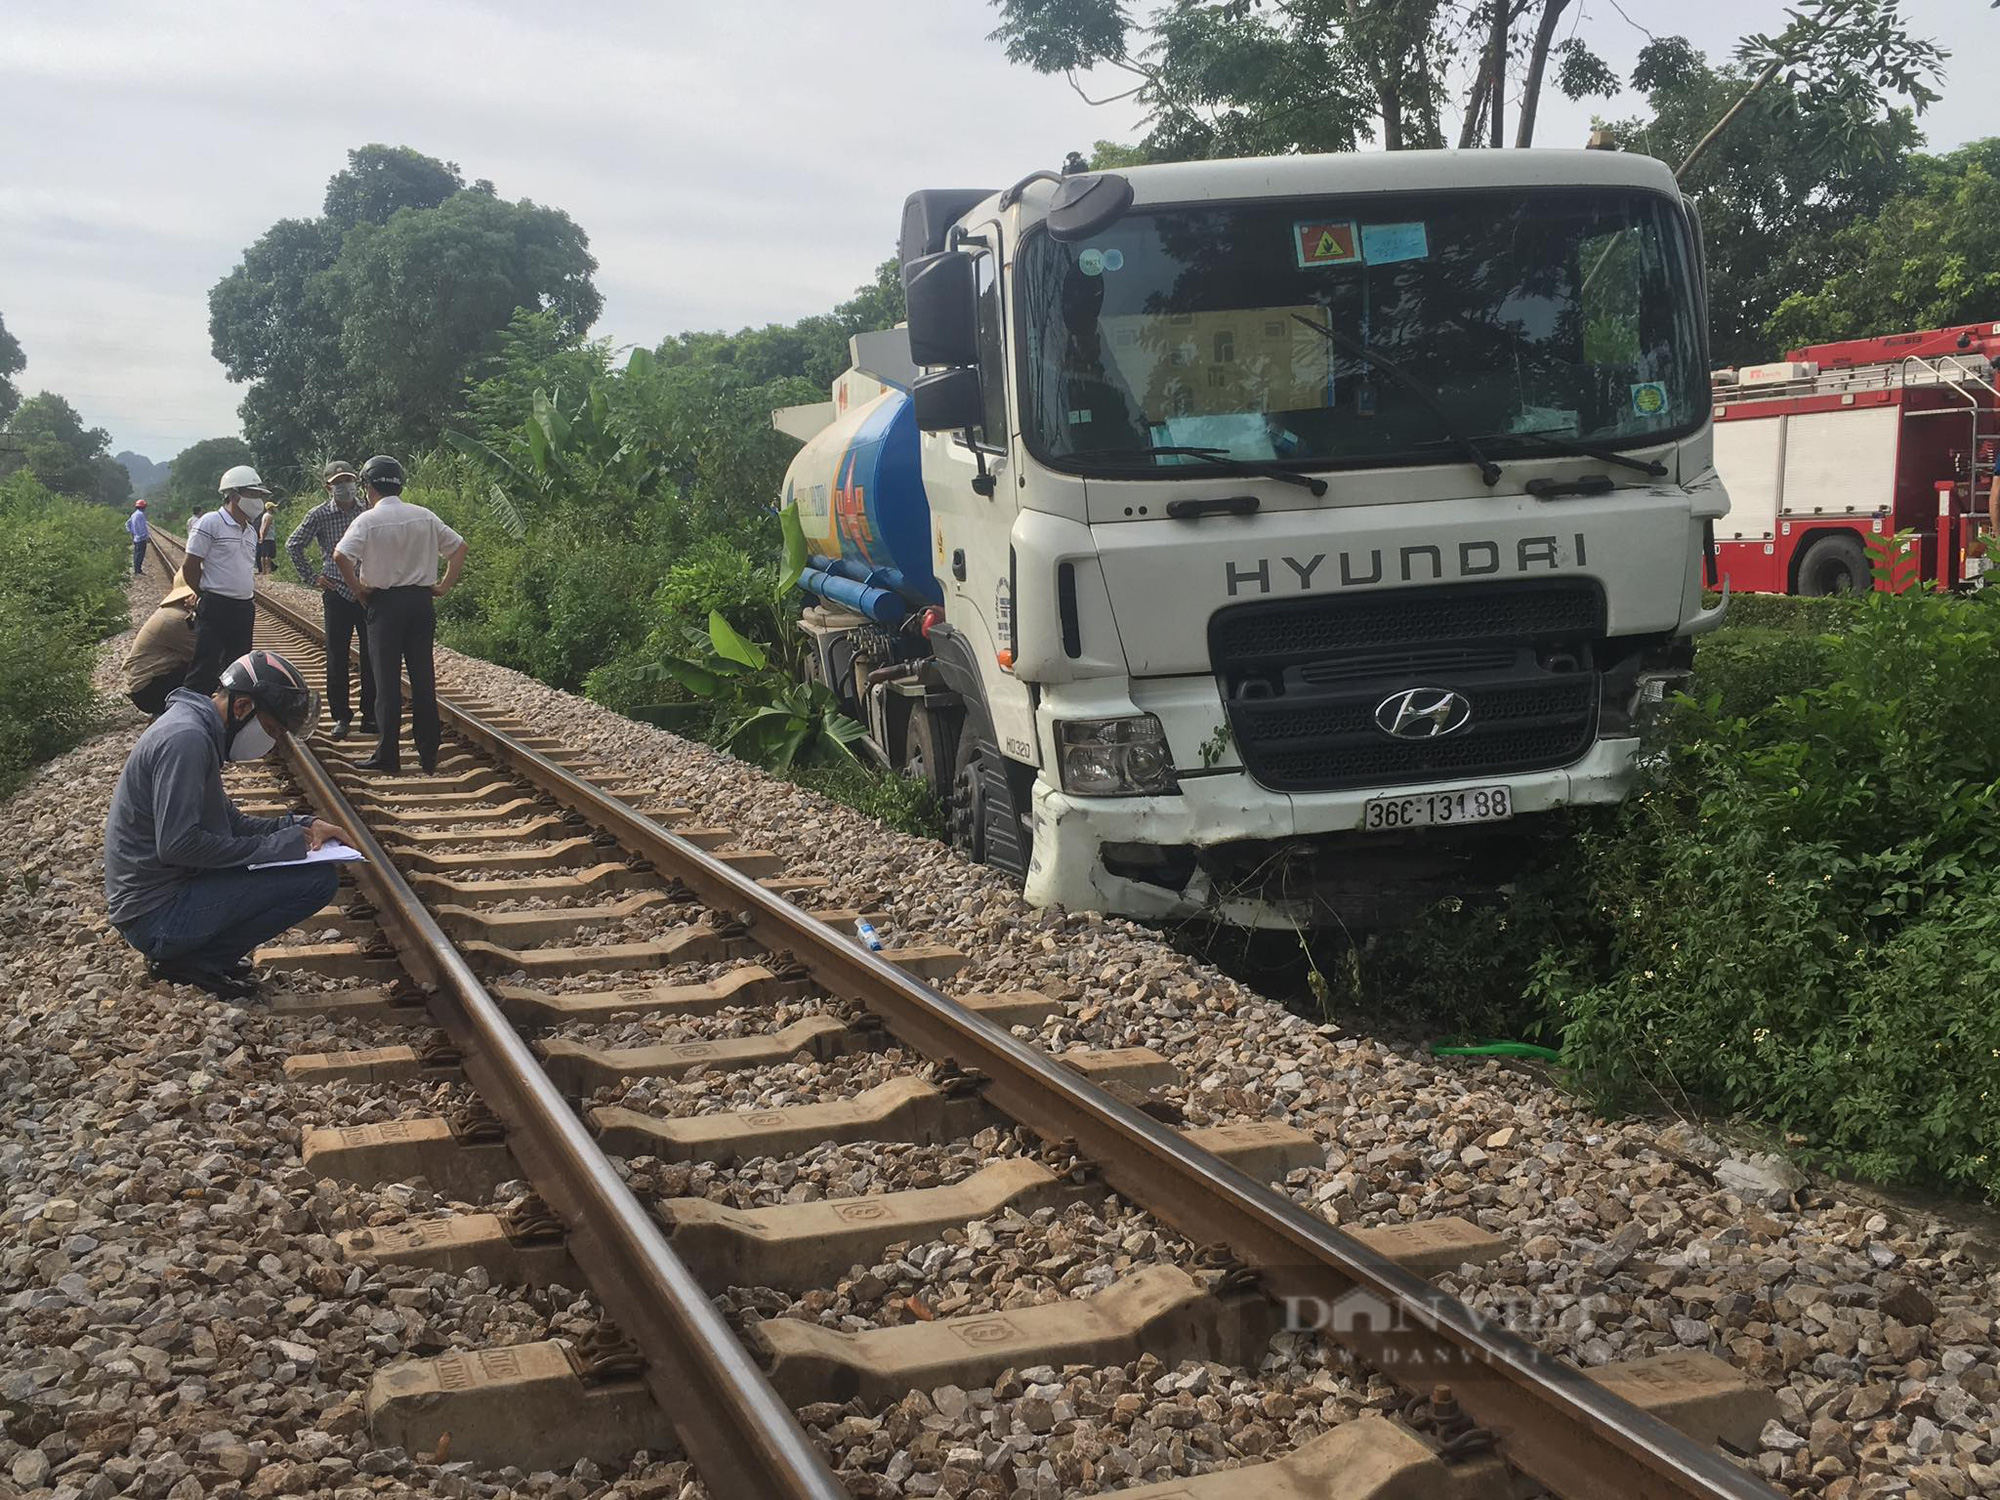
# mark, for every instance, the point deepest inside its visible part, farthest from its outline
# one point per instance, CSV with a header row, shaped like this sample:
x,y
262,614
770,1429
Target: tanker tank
x,y
858,485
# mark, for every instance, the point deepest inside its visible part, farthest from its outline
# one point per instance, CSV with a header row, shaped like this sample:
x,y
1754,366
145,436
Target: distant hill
x,y
147,476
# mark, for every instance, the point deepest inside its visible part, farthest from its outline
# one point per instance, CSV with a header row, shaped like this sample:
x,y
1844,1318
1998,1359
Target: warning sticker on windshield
x,y
1649,398
1324,242
1384,244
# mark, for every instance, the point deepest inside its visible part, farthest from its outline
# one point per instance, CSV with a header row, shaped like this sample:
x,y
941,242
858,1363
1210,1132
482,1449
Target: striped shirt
x,y
326,523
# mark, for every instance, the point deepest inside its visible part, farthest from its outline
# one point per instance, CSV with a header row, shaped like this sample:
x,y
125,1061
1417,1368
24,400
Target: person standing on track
x,y
389,558
221,567
326,523
177,852
141,533
267,538
158,660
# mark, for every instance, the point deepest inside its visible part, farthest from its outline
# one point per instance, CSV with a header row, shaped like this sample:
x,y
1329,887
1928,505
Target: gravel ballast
x,y
175,1319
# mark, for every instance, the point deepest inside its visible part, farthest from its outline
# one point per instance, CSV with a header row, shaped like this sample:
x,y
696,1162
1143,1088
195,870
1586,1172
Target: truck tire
x,y
1836,564
930,750
982,814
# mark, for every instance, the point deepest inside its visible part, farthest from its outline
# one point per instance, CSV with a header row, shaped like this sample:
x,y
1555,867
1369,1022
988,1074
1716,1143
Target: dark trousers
x,y
402,623
138,557
151,698
345,622
221,916
222,631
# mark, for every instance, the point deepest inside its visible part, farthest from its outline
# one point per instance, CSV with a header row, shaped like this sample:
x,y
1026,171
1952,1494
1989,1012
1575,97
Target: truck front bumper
x,y
1156,857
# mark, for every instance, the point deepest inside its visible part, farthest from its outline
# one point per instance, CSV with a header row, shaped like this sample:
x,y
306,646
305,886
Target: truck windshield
x,y
1551,314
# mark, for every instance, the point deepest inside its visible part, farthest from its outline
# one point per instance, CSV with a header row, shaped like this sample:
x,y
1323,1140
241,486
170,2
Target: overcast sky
x,y
732,164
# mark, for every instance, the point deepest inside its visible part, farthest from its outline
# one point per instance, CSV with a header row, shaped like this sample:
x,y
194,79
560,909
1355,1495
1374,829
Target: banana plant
x,y
564,451
765,716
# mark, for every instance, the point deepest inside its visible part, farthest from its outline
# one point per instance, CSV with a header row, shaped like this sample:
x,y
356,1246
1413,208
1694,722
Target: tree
x,y
379,180
424,295
1237,77
274,323
111,481
1924,260
537,351
50,440
1841,58
355,330
193,474
1775,190
12,362
813,350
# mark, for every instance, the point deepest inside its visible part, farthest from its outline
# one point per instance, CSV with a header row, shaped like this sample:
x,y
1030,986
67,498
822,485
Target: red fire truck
x,y
1839,442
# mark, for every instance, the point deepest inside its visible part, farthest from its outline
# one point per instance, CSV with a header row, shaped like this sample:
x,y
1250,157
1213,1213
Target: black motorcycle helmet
x,y
383,473
275,686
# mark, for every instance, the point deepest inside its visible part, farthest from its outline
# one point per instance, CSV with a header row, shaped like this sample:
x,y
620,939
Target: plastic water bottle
x,y
870,938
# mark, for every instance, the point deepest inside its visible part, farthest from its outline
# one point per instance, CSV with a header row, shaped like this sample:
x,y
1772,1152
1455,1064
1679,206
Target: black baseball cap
x,y
337,468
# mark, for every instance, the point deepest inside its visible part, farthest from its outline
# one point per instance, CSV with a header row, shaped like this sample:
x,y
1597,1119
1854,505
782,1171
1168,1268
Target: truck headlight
x,y
1114,757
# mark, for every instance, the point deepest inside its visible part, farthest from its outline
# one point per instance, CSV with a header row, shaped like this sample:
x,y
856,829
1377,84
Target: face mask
x,y
343,491
248,740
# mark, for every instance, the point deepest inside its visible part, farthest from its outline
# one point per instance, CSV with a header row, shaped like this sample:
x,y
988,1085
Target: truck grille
x,y
1302,679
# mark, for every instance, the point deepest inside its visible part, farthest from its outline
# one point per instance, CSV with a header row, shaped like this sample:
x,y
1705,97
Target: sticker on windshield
x,y
1384,244
1090,262
1649,398
1114,259
1325,242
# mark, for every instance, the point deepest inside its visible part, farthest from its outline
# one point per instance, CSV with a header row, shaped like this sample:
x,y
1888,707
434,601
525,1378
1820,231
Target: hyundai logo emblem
x,y
1423,713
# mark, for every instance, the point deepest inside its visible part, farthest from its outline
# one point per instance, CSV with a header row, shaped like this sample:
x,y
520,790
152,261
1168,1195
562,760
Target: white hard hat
x,y
242,477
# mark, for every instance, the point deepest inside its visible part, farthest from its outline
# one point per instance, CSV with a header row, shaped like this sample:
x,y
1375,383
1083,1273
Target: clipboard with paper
x,y
333,851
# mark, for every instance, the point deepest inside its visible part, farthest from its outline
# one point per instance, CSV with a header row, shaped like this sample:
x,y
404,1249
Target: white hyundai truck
x,y
1280,541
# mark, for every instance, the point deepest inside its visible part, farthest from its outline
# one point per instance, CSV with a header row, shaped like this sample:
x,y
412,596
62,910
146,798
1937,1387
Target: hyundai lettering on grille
x,y
1423,713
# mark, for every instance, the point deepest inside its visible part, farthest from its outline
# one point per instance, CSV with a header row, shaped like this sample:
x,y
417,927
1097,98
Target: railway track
x,y
469,931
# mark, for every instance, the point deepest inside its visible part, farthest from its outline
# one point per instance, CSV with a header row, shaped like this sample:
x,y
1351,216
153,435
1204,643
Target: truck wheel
x,y
965,804
1834,565
930,751
983,815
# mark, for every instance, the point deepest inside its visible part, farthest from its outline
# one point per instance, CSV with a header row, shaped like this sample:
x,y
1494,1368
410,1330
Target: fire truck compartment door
x,y
1838,460
1750,455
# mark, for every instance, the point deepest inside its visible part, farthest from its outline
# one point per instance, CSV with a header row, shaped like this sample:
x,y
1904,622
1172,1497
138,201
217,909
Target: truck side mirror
x,y
948,400
943,309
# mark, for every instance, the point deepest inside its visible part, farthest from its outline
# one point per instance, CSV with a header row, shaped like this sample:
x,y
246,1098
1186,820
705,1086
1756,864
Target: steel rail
x,y
1551,1420
742,1437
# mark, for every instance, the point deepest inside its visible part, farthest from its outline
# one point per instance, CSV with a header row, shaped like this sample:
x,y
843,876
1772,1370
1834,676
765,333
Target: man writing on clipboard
x,y
177,852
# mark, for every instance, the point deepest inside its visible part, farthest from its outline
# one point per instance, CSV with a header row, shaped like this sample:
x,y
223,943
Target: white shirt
x,y
396,545
228,553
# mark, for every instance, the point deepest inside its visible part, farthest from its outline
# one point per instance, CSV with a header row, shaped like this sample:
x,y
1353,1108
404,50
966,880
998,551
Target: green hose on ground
x,y
1502,1049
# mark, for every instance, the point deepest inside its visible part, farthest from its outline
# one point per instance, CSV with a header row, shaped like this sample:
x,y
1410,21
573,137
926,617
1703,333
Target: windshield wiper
x,y
1558,444
1468,445
1217,456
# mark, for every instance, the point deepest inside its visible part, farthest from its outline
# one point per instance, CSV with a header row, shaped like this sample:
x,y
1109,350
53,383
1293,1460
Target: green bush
x,y
1797,924
741,584
1796,920
63,564
902,804
47,704
67,559
1741,669
1788,612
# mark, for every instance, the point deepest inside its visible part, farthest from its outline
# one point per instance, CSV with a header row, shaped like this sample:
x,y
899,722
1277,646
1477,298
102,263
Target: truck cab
x,y
1297,533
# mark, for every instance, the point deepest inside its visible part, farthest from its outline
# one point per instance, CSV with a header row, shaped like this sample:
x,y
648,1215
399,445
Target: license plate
x,y
1473,804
